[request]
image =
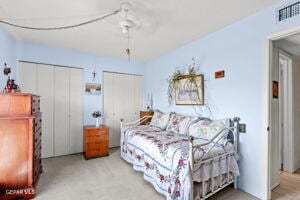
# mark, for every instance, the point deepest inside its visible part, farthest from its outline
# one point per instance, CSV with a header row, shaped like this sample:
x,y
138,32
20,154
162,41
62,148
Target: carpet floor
x,y
109,178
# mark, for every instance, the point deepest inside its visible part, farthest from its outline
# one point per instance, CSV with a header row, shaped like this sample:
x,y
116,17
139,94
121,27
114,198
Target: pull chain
x,y
128,50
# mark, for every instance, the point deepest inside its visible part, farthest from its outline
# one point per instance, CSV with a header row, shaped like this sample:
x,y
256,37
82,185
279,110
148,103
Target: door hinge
x,y
268,128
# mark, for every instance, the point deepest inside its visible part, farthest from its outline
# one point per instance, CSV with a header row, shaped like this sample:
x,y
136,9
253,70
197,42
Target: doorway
x,y
284,117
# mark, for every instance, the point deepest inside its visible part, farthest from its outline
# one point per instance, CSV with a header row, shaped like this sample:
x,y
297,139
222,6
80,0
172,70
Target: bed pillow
x,y
179,123
207,129
160,120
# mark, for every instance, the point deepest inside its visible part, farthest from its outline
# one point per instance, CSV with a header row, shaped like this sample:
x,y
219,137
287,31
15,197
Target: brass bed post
x,y
191,163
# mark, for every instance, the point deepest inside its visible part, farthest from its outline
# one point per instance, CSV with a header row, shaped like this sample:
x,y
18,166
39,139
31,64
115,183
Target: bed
x,y
179,163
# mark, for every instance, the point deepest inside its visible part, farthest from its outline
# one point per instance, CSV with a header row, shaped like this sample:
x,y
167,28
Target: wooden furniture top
x,y
18,94
16,116
147,112
94,127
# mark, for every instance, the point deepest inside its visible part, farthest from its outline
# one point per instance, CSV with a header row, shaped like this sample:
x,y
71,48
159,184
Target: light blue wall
x,y
8,54
65,57
239,50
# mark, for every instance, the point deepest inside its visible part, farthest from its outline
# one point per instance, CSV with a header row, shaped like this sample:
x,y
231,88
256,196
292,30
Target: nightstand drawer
x,y
96,138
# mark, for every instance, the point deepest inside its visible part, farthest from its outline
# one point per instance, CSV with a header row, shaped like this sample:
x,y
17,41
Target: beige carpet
x,y
108,178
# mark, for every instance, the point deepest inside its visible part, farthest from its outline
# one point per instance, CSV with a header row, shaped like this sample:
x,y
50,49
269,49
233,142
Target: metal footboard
x,y
196,164
136,122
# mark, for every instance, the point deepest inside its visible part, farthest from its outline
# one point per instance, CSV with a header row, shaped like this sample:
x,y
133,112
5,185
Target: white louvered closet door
x,y
61,111
108,102
61,92
138,95
45,88
28,77
122,100
76,110
120,104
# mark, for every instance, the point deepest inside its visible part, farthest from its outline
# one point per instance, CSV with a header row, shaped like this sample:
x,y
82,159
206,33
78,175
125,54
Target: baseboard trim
x,y
296,167
276,183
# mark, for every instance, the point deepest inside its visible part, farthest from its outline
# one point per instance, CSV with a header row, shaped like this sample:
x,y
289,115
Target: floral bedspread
x,y
163,158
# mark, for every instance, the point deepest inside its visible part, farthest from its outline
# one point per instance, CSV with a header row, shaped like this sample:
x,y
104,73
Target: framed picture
x,y
93,88
275,89
220,74
190,93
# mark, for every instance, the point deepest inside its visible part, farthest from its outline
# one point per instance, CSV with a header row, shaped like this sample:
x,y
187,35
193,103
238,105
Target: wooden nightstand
x,y
146,113
96,141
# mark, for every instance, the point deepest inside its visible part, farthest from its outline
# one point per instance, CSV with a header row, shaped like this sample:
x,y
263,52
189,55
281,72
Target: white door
x,y
61,111
286,116
108,101
28,77
45,89
138,95
76,111
61,91
122,100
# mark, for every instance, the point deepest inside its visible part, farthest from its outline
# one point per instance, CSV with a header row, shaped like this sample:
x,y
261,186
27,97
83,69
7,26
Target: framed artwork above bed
x,y
190,92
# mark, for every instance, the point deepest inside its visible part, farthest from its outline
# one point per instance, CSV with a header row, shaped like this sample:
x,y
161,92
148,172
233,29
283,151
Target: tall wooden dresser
x,y
20,145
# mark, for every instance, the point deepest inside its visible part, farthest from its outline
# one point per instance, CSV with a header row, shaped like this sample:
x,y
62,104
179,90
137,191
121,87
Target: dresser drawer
x,y
35,109
95,150
35,100
96,138
97,146
36,174
37,150
37,161
37,123
37,137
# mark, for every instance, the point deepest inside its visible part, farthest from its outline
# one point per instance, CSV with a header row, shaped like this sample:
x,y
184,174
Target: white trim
x,y
266,190
277,182
288,156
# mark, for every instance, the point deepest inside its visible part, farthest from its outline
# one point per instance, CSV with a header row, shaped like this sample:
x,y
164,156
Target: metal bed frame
x,y
196,164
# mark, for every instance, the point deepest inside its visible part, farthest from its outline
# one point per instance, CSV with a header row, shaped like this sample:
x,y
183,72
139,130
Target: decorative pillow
x,y
160,120
179,124
207,129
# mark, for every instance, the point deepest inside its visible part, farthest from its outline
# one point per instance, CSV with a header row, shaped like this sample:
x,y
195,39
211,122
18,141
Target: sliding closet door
x,y
28,77
122,100
61,111
45,89
76,110
138,95
120,105
108,102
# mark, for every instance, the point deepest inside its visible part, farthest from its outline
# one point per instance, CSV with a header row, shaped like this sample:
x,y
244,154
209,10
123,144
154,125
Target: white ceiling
x,y
291,44
163,25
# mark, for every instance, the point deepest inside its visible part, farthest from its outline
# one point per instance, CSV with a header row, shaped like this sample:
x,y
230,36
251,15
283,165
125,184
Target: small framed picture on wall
x,y
93,88
275,89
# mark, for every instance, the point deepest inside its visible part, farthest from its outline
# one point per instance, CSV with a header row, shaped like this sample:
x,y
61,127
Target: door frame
x,y
266,124
287,107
